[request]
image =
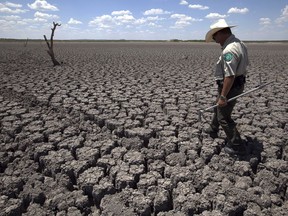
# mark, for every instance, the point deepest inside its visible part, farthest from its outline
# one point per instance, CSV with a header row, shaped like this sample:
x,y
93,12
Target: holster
x,y
238,81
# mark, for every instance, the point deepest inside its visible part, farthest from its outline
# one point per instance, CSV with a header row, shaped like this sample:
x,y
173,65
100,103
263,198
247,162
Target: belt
x,y
238,81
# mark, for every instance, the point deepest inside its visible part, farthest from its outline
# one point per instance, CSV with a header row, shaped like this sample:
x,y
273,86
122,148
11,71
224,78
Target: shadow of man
x,y
254,146
253,152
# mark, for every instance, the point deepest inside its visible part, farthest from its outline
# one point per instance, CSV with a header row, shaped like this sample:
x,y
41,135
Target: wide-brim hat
x,y
220,24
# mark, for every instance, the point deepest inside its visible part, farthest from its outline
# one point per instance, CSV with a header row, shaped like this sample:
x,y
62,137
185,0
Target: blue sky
x,y
142,19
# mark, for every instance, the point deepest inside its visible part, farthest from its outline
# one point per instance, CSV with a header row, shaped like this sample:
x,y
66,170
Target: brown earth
x,y
115,130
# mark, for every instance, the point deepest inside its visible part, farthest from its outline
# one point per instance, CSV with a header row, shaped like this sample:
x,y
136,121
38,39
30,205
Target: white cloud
x,y
42,5
197,6
120,18
10,4
155,12
10,8
6,22
74,22
150,20
183,20
125,18
140,21
102,22
154,18
181,16
12,17
215,16
238,10
284,16
181,24
154,25
122,12
264,21
183,2
44,16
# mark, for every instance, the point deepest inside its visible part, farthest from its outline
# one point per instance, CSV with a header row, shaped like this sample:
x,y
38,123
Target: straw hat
x,y
220,24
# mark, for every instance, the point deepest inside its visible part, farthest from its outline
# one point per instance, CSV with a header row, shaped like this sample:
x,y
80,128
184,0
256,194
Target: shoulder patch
x,y
228,56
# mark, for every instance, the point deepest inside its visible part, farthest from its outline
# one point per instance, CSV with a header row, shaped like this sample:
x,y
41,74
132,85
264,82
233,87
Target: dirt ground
x,y
115,130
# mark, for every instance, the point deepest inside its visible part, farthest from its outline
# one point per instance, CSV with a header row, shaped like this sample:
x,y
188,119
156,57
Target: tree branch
x,y
50,46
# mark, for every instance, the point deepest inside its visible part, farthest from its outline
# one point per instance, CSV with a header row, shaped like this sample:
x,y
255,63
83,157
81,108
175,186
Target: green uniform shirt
x,y
233,60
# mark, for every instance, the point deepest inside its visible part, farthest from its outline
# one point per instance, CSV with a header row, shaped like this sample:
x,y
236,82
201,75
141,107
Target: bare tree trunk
x,y
50,46
26,43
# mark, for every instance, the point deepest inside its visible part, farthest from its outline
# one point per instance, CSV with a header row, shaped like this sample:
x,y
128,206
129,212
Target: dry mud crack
x,y
115,131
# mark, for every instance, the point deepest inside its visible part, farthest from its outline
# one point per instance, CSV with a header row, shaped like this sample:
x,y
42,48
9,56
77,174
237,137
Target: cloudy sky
x,y
142,19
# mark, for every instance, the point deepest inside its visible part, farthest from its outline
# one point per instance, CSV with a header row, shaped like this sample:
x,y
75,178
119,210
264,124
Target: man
x,y
230,77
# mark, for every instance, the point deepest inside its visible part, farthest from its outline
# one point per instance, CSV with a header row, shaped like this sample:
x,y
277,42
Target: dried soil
x,y
115,130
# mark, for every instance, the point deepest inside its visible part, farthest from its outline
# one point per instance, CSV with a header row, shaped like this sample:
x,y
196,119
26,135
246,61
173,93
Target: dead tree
x,y
26,43
50,45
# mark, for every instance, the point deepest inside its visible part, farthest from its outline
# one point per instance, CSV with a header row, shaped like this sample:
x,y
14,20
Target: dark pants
x,y
222,117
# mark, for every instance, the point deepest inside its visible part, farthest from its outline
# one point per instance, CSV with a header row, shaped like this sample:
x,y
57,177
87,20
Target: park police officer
x,y
230,74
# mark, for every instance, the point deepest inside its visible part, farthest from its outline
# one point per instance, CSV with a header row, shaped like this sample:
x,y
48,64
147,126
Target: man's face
x,y
216,36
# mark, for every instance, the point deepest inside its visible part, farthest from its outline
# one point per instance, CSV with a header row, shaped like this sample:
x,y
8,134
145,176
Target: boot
x,y
212,132
235,149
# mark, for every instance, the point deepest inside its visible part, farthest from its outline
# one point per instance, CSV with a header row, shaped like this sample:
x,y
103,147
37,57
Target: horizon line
x,y
127,40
